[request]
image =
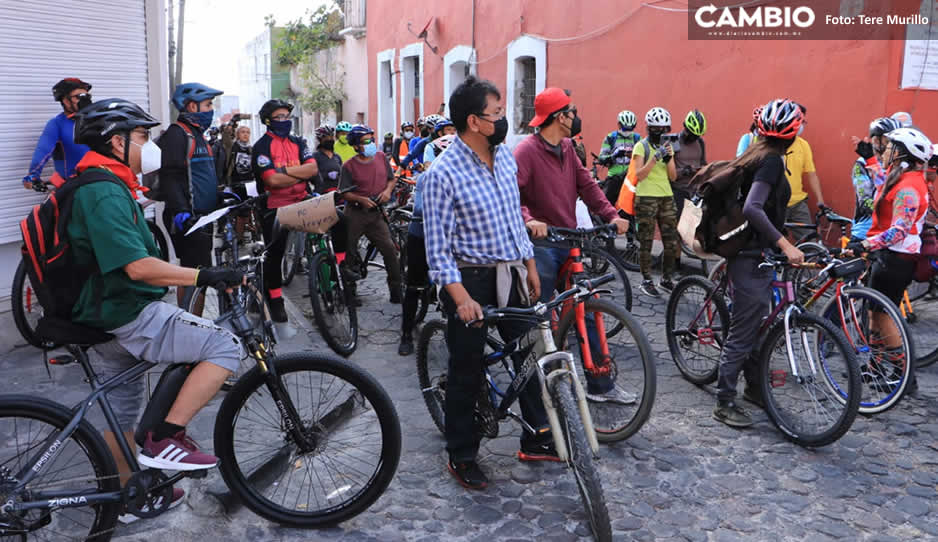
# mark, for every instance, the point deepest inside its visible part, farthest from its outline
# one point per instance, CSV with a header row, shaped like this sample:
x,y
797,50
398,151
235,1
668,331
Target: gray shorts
x,y
161,334
800,212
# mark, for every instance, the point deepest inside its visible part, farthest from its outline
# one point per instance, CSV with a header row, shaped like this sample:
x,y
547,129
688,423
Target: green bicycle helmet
x,y
343,126
695,123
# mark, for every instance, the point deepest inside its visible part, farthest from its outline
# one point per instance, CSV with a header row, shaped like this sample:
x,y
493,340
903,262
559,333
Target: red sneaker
x,y
178,452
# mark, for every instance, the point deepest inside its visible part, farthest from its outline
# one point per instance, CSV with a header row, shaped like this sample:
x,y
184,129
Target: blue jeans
x,y
549,260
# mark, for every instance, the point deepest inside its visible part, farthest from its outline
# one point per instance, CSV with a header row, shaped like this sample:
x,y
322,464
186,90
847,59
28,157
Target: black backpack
x,y
55,278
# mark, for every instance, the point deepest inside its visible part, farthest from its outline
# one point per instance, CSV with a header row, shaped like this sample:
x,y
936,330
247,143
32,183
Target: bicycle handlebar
x,y
606,231
584,288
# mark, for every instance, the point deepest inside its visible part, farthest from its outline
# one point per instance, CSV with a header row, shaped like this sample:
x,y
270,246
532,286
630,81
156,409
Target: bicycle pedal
x,y
197,474
62,359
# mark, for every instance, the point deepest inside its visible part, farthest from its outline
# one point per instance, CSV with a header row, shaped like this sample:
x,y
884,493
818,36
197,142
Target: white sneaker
x,y
615,395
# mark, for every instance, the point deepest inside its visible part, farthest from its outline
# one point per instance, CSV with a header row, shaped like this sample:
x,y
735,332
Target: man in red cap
x,y
550,178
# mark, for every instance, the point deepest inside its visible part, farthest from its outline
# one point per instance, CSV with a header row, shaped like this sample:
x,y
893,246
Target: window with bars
x,y
527,89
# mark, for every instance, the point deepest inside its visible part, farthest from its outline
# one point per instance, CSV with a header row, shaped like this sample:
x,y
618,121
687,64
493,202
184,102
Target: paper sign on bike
x,y
208,219
314,215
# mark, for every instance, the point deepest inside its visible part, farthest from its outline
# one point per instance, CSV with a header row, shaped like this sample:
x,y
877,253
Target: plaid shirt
x,y
471,215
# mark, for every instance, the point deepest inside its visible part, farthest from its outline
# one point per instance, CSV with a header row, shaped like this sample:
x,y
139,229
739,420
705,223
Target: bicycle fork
x,y
553,365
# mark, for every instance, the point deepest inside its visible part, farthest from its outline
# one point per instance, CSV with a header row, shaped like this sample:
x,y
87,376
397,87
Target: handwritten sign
x,y
920,61
315,215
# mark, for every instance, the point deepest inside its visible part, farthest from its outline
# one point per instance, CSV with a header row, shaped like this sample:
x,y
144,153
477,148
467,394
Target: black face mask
x,y
424,133
689,137
655,136
328,144
83,100
576,126
501,130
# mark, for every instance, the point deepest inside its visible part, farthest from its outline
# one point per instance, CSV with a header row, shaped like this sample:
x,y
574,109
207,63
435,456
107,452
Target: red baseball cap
x,y
549,100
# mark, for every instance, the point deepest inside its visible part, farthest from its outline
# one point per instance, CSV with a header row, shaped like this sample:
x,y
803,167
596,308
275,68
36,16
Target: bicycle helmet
x,y
407,124
431,120
627,119
270,106
96,123
905,119
780,118
192,92
911,142
756,113
442,123
324,131
343,126
356,134
658,116
443,141
421,121
883,125
389,135
695,123
64,87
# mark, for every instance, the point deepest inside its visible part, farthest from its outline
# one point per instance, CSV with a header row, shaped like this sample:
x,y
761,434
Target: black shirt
x,y
767,200
330,170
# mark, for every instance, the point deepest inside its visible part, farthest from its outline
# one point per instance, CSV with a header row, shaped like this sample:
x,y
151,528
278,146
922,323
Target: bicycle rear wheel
x,y
885,372
432,365
697,323
621,390
160,239
807,280
596,259
580,459
26,308
292,257
803,405
922,322
336,318
349,416
82,466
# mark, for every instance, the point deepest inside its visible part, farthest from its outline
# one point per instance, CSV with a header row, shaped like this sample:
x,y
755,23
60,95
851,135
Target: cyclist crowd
x,y
479,212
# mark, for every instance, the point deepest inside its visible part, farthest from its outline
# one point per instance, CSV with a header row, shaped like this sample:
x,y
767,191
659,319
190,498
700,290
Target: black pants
x,y
613,187
752,288
273,276
192,250
464,377
892,273
417,281
680,196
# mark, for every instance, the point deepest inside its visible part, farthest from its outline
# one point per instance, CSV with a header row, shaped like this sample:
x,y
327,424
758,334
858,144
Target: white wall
x,y
411,67
387,93
255,79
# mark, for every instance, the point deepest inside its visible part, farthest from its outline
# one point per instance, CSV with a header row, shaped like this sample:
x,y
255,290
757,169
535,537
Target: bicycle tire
x,y
773,379
805,279
614,266
362,389
632,358
876,395
629,256
292,256
160,240
85,440
26,308
329,296
580,459
681,340
921,325
432,366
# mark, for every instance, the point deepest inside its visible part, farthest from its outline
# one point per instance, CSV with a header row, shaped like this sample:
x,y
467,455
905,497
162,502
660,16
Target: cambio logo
x,y
758,17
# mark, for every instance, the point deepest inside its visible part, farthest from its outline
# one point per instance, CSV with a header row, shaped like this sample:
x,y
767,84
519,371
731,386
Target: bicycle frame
x,y
570,270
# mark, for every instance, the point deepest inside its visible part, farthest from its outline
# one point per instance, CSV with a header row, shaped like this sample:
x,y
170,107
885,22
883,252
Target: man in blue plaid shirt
x,y
474,232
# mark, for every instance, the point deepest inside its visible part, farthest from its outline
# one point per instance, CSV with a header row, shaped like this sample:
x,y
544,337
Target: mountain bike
x,y
808,370
563,396
304,440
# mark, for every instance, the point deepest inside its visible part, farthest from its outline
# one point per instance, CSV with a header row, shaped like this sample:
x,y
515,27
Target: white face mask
x,y
150,156
408,134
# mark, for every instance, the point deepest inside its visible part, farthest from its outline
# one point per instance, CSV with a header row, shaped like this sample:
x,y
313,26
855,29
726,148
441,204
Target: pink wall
x,y
647,61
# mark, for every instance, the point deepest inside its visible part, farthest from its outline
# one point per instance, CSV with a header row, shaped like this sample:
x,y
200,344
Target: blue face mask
x,y
281,128
370,150
202,119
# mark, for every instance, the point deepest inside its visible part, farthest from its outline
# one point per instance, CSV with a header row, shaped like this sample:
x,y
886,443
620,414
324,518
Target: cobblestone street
x,y
684,476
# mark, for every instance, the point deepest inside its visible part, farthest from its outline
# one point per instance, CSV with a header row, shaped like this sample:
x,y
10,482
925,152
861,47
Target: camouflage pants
x,y
648,211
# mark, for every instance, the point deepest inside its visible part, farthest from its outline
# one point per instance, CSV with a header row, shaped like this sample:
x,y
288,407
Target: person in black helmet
x,y
57,139
283,166
123,296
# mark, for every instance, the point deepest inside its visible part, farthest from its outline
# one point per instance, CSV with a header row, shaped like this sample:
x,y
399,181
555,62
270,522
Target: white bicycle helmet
x,y
658,116
627,119
905,119
914,141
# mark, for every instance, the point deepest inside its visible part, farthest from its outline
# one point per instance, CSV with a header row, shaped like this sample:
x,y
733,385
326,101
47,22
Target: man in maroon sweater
x,y
550,177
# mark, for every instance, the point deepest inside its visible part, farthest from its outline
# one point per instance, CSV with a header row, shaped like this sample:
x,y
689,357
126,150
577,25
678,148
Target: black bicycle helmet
x,y
883,126
65,87
270,106
96,123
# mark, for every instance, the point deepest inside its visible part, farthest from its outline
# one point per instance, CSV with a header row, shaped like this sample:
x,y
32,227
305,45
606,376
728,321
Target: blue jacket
x,y
416,152
56,142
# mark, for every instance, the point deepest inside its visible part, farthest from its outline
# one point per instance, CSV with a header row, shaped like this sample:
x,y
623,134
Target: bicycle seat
x,y
61,331
831,216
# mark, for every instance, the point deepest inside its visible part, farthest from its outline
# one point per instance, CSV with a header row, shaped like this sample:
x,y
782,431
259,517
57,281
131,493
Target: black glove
x,y
856,247
219,277
865,149
619,152
667,157
40,186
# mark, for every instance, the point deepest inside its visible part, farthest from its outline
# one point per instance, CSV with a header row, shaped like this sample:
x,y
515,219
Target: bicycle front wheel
x,y
580,459
798,396
871,324
335,317
697,323
621,385
82,466
598,259
342,409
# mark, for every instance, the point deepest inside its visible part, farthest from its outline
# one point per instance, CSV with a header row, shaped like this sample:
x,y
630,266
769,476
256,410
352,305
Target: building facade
x,y
262,77
129,60
626,54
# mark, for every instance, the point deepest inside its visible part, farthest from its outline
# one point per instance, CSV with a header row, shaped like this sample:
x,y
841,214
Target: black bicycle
x,y
304,440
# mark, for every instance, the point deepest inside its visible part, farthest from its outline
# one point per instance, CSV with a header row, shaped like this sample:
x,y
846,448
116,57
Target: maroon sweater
x,y
549,184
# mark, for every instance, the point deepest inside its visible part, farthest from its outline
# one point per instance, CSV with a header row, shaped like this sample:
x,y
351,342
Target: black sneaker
x,y
731,414
531,451
468,474
349,273
395,296
406,347
277,310
648,288
666,284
